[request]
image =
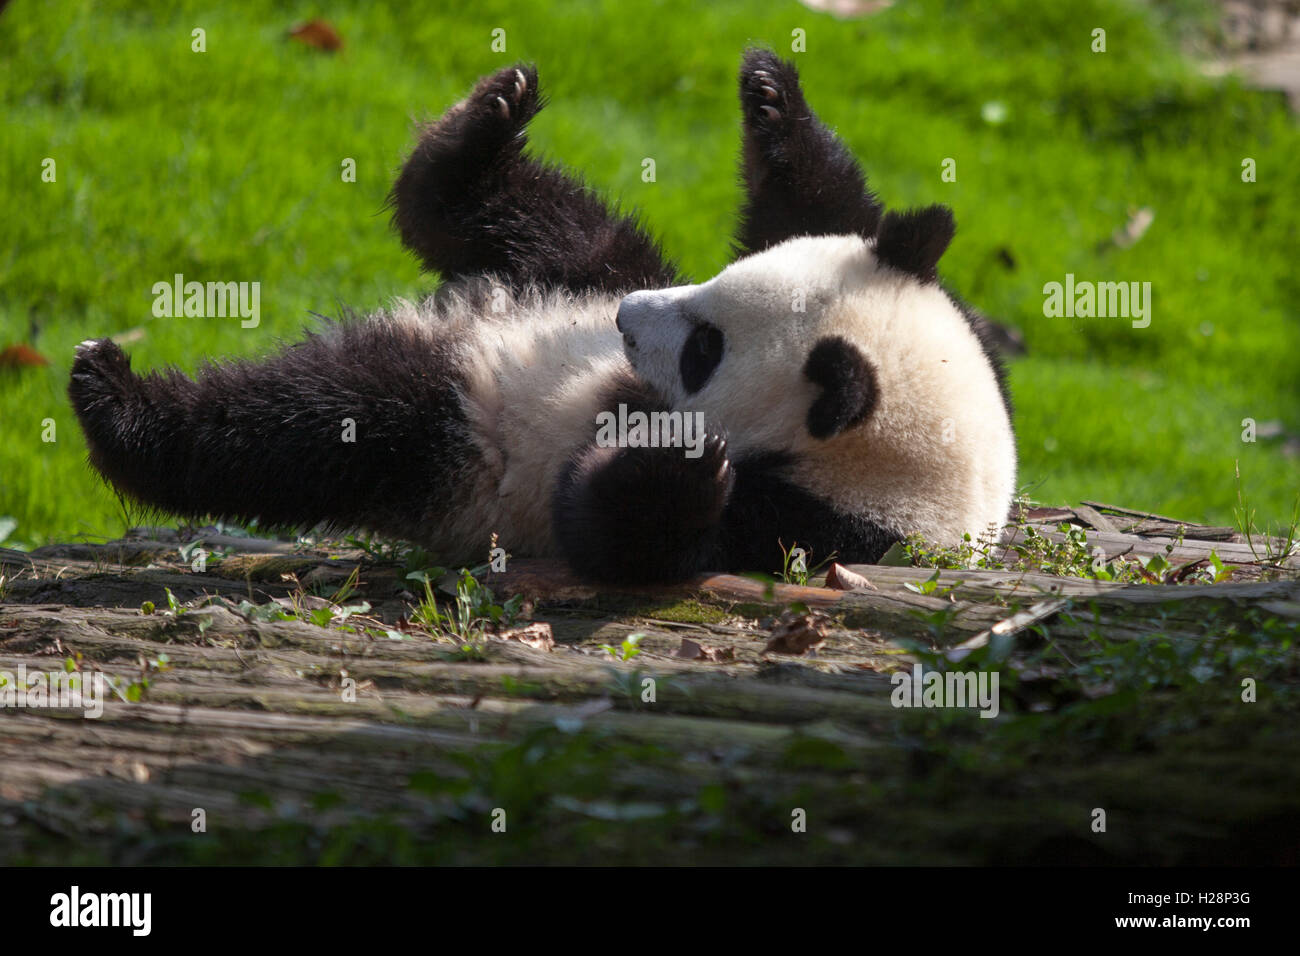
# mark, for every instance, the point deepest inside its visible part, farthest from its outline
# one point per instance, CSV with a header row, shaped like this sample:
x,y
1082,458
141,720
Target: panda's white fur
x,y
936,456
534,365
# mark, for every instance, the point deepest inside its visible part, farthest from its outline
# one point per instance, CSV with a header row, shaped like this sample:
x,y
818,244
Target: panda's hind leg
x,y
468,202
799,178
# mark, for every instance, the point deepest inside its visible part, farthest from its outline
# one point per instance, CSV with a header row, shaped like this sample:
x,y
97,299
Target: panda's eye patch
x,y
700,355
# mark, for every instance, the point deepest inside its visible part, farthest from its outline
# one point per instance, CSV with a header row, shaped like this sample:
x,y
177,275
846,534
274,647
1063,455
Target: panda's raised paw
x,y
511,93
101,354
770,91
100,370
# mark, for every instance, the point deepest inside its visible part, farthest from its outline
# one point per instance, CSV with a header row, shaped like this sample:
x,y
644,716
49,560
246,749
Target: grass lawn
x,y
225,165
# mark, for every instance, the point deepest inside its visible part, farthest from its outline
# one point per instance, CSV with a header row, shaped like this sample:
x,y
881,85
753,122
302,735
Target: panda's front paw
x,y
632,515
770,96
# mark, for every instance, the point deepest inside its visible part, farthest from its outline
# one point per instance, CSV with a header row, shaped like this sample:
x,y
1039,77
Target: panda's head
x,y
845,354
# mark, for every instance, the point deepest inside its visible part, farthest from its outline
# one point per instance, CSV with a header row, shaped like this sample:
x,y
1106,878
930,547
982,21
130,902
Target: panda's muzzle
x,y
628,341
665,342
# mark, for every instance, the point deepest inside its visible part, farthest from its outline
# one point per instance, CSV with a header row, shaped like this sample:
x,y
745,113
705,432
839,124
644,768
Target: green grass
x,y
226,166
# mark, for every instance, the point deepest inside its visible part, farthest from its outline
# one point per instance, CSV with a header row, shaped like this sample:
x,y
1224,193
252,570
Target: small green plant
x,y
189,552
1277,546
967,555
178,610
1217,572
937,621
931,586
134,691
375,549
1028,550
337,611
628,649
270,611
336,614
473,612
383,551
794,564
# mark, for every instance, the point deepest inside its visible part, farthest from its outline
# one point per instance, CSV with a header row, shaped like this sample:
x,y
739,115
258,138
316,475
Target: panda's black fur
x,y
262,439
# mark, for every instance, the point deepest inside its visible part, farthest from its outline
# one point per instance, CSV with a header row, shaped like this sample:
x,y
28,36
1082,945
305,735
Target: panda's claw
x,y
506,101
770,96
715,449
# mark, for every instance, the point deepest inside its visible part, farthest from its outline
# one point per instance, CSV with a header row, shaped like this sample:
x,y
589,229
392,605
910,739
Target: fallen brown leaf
x,y
21,356
842,579
317,33
797,633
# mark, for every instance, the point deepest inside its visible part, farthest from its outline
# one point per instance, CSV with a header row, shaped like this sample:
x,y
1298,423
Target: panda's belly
x,y
533,387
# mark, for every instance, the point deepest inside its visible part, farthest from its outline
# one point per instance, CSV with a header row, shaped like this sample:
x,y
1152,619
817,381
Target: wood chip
x,y
1094,518
695,651
1131,511
1008,625
537,636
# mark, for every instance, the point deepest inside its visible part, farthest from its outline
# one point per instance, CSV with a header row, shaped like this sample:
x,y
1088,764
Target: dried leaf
x,y
797,633
21,356
689,650
842,579
317,33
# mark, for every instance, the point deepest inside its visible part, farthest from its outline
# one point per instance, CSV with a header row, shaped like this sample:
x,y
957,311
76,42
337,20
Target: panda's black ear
x,y
914,240
848,384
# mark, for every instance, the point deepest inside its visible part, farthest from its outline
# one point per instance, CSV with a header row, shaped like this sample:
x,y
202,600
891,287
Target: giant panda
x,y
845,398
